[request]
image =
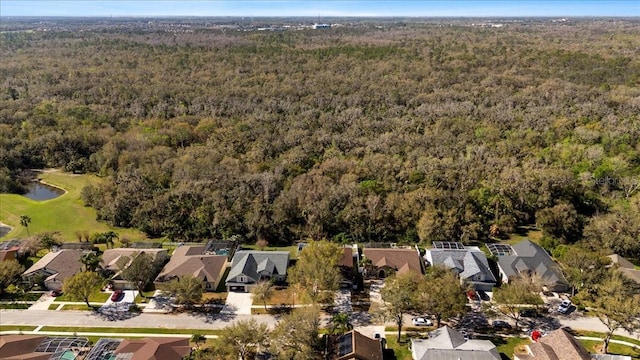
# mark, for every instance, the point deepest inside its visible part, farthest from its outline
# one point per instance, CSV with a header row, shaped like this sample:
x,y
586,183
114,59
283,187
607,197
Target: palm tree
x,y
109,236
91,261
25,220
340,323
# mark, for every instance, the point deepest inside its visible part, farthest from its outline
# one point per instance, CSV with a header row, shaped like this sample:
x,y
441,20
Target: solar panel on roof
x,y
500,249
345,346
446,245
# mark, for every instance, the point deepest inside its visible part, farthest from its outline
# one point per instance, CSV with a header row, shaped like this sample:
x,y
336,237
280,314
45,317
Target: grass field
x,y
616,349
65,214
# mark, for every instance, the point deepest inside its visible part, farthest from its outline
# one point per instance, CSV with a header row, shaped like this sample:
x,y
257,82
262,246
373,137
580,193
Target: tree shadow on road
x,y
115,312
210,314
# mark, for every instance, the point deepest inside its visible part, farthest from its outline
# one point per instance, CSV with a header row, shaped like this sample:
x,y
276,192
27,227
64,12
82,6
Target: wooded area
x,y
402,131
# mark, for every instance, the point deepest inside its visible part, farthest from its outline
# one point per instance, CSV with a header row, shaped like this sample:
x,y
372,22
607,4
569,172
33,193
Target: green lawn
x,y
98,297
17,327
616,349
400,351
602,336
65,214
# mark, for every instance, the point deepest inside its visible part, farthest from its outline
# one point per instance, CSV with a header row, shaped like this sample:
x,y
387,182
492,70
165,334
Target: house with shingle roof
x,y
560,345
448,344
353,346
249,267
157,348
529,258
54,268
469,262
114,261
626,267
192,261
388,261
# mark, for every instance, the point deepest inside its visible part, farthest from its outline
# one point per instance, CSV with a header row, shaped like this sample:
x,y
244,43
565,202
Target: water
x,y
40,192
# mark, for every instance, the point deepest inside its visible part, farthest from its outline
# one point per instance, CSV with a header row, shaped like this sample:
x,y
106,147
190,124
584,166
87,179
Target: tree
x,y
340,323
82,285
561,222
49,241
10,270
521,290
187,290
399,296
90,260
197,338
261,244
25,220
139,271
583,269
441,294
243,338
316,270
617,304
262,292
109,237
296,335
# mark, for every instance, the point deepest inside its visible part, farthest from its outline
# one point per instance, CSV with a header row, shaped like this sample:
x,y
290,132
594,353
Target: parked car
x,y
499,324
564,306
55,293
117,295
421,321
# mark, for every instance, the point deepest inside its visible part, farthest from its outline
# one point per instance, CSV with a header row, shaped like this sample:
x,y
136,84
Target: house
x,y
9,254
115,260
626,267
469,262
353,346
192,261
153,348
35,347
250,267
448,344
54,268
559,344
527,257
347,268
388,261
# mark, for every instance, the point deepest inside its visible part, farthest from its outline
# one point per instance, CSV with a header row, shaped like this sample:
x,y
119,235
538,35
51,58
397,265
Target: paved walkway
x,y
238,303
43,302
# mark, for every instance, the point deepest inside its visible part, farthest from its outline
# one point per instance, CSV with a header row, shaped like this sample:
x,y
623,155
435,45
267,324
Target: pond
x,y
40,192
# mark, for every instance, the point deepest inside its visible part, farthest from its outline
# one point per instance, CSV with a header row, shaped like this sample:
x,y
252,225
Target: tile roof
x,y
448,344
155,348
63,264
189,260
249,263
531,257
402,260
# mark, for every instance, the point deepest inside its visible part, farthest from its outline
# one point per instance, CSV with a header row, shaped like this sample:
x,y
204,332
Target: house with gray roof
x,y
250,267
448,344
469,262
54,268
527,257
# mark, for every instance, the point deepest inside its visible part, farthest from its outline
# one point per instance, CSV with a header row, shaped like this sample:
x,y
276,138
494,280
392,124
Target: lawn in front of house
x,y
286,296
96,297
615,349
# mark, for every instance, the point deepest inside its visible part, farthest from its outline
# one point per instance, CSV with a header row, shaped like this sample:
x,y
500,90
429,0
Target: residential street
x,y
203,321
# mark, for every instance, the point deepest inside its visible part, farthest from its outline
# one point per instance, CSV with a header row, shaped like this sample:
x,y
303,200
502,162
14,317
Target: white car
x,y
421,321
564,306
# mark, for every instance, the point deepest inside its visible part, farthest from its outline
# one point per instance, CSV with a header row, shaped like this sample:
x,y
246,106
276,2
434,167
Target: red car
x,y
117,295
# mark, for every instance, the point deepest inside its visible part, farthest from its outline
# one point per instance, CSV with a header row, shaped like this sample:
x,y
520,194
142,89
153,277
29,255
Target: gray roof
x,y
250,263
531,257
61,264
448,344
467,262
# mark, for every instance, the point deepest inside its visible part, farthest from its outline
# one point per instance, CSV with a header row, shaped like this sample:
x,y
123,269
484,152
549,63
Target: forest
x,y
395,131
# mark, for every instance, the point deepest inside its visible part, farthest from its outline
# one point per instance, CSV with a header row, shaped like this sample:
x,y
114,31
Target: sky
x,y
426,8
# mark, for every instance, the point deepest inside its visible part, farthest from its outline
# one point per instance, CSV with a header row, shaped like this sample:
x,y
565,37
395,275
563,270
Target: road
x,y
208,321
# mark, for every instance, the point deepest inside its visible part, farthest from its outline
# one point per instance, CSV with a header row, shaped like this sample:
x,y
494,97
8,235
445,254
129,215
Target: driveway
x,y
43,302
342,301
238,303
